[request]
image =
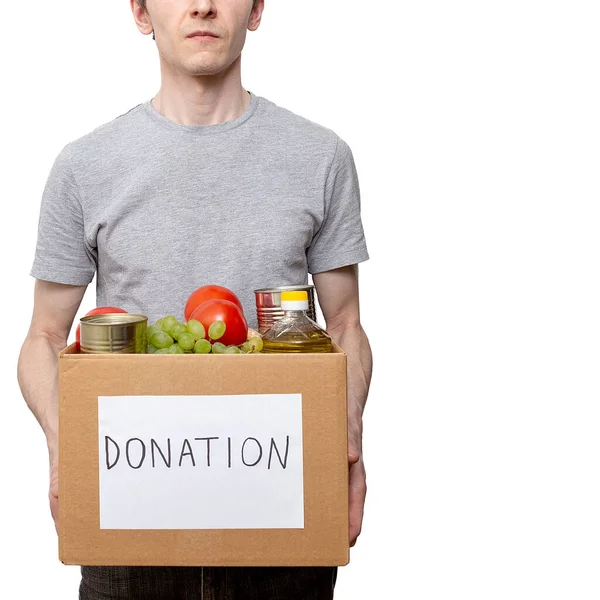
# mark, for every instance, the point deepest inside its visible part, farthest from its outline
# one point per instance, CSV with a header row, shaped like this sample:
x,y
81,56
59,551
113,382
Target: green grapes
x,y
219,348
202,347
176,330
196,329
186,341
170,336
168,322
255,344
152,329
176,349
161,340
217,330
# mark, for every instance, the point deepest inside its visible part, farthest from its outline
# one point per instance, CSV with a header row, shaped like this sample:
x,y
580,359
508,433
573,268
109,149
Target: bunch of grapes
x,y
170,336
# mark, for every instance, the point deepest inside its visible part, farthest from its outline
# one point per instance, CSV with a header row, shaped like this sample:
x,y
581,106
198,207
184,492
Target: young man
x,y
206,183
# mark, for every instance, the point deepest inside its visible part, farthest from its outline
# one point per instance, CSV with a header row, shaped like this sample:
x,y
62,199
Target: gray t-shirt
x,y
159,209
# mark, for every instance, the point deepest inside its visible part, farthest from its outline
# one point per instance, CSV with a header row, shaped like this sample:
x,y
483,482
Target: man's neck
x,y
206,100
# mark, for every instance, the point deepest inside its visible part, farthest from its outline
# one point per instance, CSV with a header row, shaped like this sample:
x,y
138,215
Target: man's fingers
x,y
354,451
354,445
357,491
54,509
53,496
353,457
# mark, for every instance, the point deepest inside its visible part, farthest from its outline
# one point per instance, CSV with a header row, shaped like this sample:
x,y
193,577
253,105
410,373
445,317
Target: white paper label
x,y
201,462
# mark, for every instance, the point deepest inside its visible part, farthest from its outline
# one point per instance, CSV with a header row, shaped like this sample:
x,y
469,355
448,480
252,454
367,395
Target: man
x,y
205,183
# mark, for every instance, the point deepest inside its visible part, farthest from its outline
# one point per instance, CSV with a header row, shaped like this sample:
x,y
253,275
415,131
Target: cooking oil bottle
x,y
295,331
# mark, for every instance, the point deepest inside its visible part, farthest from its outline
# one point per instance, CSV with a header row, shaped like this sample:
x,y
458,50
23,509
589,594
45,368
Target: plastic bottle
x,y
295,331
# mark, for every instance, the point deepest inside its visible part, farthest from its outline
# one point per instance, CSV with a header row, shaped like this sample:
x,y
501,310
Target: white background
x,y
475,127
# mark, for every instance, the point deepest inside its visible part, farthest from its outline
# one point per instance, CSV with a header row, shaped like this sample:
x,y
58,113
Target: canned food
x,y
268,304
120,333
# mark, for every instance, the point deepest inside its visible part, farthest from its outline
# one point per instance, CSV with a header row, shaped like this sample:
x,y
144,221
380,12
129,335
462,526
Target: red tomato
x,y
97,311
206,293
228,312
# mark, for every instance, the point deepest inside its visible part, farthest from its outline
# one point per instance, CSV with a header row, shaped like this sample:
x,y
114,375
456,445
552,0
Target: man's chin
x,y
199,68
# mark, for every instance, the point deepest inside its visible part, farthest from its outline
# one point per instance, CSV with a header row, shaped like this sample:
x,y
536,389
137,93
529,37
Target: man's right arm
x,y
55,307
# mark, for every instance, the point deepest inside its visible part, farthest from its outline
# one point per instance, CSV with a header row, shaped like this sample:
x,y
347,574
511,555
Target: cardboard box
x,y
205,460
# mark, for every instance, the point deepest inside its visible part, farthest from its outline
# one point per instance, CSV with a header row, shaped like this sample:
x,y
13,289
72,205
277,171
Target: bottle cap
x,y
294,300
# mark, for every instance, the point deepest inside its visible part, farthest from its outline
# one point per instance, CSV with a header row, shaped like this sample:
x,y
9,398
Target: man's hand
x,y
53,493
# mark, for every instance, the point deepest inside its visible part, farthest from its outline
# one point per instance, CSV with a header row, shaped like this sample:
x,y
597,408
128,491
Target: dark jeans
x,y
207,583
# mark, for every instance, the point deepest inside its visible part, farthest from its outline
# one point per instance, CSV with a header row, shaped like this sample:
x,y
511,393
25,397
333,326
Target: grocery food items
x,y
268,304
206,293
111,333
295,331
170,336
236,331
96,311
215,323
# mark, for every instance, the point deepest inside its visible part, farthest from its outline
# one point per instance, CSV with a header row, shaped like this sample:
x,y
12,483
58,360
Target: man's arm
x,y
55,307
337,291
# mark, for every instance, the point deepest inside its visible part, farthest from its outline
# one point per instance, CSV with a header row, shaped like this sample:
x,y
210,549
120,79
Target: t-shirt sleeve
x,y
62,253
340,240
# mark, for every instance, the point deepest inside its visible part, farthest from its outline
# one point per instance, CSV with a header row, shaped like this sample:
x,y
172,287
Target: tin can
x,y
268,304
120,333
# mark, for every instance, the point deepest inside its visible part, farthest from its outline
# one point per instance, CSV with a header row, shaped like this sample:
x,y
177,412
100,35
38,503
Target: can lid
x,y
114,319
294,300
279,290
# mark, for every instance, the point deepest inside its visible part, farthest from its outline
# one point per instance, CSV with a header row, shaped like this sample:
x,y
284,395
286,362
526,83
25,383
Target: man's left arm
x,y
338,295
